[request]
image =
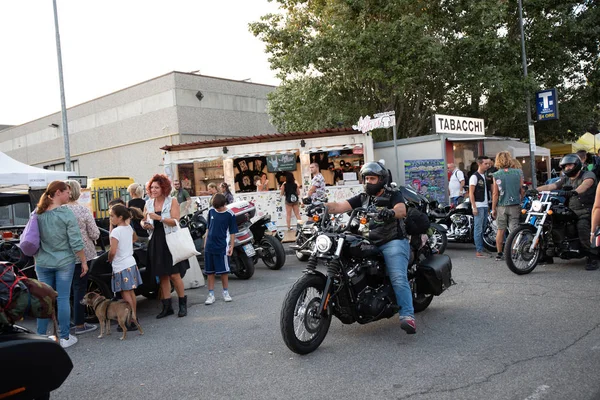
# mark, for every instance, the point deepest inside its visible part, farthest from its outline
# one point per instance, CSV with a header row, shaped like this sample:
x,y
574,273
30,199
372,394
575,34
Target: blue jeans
x,y
60,280
454,200
396,254
480,222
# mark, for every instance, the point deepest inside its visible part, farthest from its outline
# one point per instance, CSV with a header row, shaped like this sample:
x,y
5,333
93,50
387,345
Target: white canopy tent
x,y
14,173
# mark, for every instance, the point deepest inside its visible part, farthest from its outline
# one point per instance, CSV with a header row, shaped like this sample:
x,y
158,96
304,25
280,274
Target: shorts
x,y
217,264
128,279
508,216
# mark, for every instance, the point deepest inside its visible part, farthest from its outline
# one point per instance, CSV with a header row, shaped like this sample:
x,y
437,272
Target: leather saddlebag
x,y
434,275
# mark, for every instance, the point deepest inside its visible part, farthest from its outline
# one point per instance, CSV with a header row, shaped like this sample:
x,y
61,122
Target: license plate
x,y
271,226
249,249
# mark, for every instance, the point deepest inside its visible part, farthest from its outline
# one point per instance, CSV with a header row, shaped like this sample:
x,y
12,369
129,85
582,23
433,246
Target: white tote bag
x,y
193,277
181,245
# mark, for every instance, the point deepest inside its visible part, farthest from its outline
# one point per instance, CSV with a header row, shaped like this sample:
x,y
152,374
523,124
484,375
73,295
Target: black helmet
x,y
571,159
374,169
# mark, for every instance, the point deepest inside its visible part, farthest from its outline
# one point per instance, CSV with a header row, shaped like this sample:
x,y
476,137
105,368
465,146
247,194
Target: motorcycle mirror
x,y
382,202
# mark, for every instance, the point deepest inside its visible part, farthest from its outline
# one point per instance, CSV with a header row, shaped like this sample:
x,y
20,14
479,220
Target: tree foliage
x,y
340,59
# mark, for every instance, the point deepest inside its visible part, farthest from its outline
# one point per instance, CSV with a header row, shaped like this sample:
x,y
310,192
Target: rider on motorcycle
x,y
390,233
581,199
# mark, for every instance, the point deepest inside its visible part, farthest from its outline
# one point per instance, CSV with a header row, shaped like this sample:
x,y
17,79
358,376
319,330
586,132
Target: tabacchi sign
x,y
458,125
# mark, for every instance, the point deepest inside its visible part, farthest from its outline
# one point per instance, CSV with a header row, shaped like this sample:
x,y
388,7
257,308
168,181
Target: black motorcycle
x,y
32,366
266,243
459,223
307,231
355,287
549,230
438,239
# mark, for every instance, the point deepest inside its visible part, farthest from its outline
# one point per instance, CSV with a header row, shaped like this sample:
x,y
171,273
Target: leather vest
x,y
480,188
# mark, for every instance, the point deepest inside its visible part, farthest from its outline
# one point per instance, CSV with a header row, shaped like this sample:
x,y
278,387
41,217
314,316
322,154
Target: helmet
x,y
374,169
571,159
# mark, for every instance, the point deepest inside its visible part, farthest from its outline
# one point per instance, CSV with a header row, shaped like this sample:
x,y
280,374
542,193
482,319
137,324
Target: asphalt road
x,y
494,335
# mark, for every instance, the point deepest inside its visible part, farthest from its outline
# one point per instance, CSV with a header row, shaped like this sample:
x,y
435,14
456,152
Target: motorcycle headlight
x,y
323,243
536,206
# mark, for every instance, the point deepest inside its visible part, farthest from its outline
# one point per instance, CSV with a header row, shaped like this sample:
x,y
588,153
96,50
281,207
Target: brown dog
x,y
106,310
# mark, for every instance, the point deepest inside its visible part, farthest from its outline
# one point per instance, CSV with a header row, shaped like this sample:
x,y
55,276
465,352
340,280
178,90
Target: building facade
x,y
122,133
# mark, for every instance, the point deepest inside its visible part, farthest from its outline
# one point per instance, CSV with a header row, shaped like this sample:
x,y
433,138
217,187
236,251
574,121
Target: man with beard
x,y
388,233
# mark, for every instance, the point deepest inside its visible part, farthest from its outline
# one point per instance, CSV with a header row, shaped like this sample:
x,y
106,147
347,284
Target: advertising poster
x,y
427,177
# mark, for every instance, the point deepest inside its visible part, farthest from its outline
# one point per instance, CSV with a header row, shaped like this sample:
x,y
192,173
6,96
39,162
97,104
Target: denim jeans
x,y
480,222
455,200
396,254
79,287
60,280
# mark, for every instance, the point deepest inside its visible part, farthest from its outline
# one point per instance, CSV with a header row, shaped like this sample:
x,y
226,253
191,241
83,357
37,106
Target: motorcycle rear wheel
x,y
489,235
302,330
421,301
244,265
519,259
274,254
438,240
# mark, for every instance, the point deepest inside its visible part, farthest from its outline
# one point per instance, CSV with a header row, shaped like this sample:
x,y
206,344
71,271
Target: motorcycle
x,y
32,366
459,223
266,244
438,239
549,230
355,287
307,231
242,260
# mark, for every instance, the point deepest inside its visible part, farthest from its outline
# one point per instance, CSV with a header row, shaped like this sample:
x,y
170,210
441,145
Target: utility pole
x,y
63,107
528,110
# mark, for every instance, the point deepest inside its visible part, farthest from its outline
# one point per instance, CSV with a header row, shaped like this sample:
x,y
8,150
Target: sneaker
x,y
84,329
481,255
408,325
210,299
499,257
227,297
68,342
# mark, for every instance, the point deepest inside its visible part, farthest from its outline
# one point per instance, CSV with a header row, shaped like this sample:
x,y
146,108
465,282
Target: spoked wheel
x,y
303,330
489,235
273,252
519,258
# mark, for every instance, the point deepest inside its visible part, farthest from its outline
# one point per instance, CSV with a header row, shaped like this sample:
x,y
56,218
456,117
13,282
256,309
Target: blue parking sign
x,y
546,104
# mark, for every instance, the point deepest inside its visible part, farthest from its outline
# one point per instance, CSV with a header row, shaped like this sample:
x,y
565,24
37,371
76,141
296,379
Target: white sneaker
x,y
210,299
68,342
227,297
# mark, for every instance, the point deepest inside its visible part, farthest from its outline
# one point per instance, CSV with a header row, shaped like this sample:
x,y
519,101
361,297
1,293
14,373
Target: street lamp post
x,y
63,107
528,110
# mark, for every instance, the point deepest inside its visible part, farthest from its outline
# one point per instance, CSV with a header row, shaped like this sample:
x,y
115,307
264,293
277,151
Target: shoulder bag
x,y
29,241
180,243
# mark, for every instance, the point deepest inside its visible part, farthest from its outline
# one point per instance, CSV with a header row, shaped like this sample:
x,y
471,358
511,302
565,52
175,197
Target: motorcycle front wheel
x,y
489,235
274,254
519,258
302,329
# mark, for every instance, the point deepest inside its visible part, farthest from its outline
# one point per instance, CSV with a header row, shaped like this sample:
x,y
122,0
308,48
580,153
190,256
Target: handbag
x,y
180,243
29,241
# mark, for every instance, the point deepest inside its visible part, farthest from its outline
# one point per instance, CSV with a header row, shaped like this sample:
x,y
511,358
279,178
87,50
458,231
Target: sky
x,y
109,45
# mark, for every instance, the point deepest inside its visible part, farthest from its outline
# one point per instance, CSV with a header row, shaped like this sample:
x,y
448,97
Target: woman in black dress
x,y
160,215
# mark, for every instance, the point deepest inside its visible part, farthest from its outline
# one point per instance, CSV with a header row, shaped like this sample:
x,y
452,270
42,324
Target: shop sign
x,y
546,104
381,120
458,125
358,150
281,162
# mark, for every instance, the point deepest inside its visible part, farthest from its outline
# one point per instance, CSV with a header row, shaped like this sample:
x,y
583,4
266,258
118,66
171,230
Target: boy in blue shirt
x,y
221,222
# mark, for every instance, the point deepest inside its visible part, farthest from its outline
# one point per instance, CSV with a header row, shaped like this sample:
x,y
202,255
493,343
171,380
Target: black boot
x,y
167,308
182,306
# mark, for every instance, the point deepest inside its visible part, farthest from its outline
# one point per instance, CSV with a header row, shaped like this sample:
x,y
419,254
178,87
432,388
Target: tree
x,y
340,59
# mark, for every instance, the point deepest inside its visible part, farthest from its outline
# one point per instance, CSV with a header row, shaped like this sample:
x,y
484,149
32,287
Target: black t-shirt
x,y
135,224
384,227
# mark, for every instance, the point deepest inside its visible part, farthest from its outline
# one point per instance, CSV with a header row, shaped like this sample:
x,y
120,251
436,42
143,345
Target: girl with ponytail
x,y
60,240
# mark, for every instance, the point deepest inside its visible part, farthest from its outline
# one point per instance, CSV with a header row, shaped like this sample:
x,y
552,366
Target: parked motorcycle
x,y
549,230
32,366
266,244
307,231
355,287
459,223
437,235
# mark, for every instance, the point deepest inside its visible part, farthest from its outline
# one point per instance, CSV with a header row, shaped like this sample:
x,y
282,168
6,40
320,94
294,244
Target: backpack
x,y
29,241
416,222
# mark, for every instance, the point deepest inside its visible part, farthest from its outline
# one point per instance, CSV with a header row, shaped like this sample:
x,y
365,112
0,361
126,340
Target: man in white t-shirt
x,y
456,184
479,196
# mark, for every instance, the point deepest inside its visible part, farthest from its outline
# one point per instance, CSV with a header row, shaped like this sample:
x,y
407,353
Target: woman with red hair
x,y
161,214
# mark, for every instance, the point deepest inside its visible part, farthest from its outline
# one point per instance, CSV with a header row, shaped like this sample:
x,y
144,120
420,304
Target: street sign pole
x,y
63,106
395,130
532,146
